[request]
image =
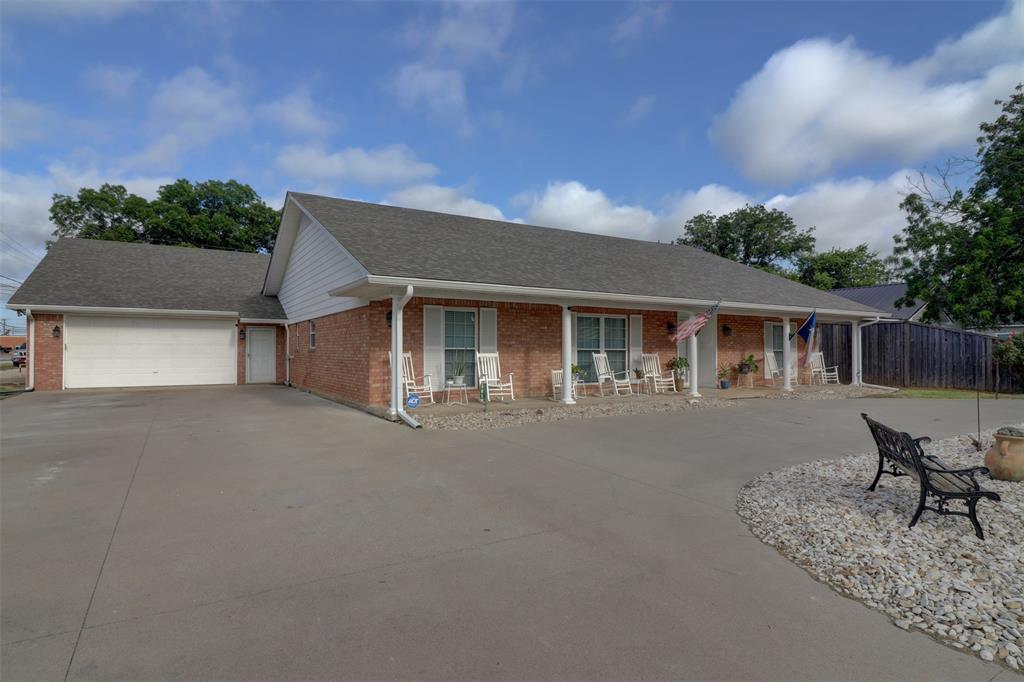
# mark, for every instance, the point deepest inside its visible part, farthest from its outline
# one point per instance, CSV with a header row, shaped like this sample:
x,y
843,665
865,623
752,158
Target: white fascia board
x,y
259,320
565,295
283,243
147,312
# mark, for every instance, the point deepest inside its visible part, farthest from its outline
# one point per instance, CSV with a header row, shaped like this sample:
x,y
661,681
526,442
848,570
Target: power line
x,y
16,245
17,281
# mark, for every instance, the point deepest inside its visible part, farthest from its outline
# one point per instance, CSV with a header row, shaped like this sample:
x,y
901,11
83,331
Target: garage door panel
x,y
110,352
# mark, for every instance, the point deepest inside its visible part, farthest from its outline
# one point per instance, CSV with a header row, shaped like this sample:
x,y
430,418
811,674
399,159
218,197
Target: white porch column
x,y
787,359
691,355
855,358
567,378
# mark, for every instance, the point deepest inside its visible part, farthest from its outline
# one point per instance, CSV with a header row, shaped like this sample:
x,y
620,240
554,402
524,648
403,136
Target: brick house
x,y
350,284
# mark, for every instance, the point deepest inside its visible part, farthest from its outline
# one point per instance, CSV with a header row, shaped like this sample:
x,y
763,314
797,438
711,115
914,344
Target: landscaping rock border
x,y
936,577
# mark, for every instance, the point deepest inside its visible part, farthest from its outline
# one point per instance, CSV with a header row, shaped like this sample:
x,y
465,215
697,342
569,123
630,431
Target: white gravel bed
x,y
500,416
936,577
827,392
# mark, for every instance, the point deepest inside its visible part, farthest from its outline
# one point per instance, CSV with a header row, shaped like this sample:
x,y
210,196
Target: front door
x,y
260,355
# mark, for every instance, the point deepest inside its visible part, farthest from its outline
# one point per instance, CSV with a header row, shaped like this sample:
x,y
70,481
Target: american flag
x,y
693,325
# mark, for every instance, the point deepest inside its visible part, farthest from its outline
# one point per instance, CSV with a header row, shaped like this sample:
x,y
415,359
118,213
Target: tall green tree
x,y
962,251
211,214
753,235
842,268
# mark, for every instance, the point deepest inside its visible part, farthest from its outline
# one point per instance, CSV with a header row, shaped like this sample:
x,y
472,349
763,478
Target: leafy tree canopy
x,y
753,235
962,251
842,268
211,214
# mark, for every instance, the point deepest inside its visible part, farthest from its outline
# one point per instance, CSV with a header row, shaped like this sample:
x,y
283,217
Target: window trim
x,y
444,345
601,340
311,324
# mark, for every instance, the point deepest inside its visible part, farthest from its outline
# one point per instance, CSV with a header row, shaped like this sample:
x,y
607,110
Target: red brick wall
x,y
337,368
279,348
748,338
49,352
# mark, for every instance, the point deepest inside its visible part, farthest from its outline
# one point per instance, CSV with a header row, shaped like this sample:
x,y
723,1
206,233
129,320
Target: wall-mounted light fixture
x,y
56,331
726,330
241,333
670,327
389,319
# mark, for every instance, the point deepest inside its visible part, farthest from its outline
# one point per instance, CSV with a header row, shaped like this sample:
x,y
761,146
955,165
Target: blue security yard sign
x,y
413,402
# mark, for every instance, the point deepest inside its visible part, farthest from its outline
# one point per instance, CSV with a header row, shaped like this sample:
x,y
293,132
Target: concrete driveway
x,y
261,533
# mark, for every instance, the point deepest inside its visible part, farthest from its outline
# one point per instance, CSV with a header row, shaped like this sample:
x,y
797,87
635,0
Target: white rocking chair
x,y
423,389
556,385
661,379
772,367
826,375
488,369
619,380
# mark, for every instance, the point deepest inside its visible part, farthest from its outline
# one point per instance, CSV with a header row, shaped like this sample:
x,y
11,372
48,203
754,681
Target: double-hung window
x,y
460,345
600,334
312,334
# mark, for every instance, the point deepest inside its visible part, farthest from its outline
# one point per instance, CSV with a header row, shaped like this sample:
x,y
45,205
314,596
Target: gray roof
x,y
404,242
883,297
104,274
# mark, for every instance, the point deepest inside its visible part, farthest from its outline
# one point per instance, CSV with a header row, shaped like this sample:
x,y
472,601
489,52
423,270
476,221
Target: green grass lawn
x,y
945,393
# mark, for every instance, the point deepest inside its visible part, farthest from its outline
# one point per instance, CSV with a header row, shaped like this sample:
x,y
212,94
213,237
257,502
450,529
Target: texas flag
x,y
808,331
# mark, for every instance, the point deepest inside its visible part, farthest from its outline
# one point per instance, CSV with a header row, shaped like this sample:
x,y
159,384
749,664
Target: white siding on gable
x,y
317,265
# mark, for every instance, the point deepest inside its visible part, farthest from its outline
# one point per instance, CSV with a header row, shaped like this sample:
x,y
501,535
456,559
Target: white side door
x,y
260,355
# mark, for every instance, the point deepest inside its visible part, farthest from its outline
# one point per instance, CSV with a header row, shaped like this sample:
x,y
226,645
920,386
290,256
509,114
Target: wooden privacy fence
x,y
911,354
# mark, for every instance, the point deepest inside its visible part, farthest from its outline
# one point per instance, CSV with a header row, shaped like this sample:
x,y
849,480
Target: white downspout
x,y
30,325
287,355
855,328
397,409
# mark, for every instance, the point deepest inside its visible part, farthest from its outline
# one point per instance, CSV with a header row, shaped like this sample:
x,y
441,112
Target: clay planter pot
x,y
1005,459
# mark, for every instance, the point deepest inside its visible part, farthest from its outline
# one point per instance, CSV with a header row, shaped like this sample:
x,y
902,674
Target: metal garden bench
x,y
901,455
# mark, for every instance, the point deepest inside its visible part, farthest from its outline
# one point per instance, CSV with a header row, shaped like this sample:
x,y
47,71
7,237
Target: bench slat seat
x,y
901,455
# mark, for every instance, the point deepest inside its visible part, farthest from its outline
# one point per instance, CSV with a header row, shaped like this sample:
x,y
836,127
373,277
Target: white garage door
x,y
105,352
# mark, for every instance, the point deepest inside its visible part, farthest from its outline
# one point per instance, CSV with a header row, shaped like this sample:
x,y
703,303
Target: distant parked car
x,y
20,356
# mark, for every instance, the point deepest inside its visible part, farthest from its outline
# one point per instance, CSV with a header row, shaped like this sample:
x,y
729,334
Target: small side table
x,y
461,394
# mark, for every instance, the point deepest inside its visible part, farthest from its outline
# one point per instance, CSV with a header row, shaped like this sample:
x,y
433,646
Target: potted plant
x,y
1005,459
723,376
459,374
748,365
577,373
638,373
680,369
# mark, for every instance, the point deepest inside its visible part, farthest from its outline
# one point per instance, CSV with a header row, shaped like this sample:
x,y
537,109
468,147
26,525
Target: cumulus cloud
x,y
298,113
818,105
574,206
439,91
643,18
25,207
188,112
639,109
114,82
392,165
444,200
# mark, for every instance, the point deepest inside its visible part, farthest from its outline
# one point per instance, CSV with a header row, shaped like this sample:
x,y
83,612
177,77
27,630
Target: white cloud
x,y
298,113
818,105
639,109
441,91
392,165
642,19
445,200
24,121
574,206
187,112
851,211
25,207
465,33
114,82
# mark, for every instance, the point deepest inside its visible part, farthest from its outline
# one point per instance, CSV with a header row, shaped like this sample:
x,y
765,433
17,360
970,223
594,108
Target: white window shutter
x,y
636,341
767,348
488,330
433,343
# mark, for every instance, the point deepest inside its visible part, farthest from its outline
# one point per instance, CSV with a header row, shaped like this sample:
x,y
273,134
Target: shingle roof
x,y
95,273
403,242
883,297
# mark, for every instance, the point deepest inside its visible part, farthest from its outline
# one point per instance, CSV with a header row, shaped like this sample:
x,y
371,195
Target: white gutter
x,y
258,320
573,294
397,408
91,310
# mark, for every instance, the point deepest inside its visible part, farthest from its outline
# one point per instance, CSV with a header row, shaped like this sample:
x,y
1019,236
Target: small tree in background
x,y
842,268
753,235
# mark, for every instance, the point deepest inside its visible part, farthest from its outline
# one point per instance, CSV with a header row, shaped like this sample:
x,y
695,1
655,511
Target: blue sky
x,y
620,118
